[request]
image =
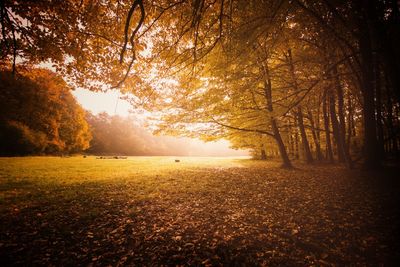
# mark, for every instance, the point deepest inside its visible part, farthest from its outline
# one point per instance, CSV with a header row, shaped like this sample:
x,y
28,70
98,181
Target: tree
x,y
264,67
364,32
39,115
84,40
335,53
234,92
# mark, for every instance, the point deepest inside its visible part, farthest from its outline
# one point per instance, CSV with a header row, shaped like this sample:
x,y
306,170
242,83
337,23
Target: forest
x,y
304,85
316,81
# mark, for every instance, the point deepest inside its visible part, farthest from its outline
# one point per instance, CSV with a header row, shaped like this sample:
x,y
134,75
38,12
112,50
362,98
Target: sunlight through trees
x,y
316,81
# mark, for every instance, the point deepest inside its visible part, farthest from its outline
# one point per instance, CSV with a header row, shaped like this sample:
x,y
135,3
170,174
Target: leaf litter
x,y
238,216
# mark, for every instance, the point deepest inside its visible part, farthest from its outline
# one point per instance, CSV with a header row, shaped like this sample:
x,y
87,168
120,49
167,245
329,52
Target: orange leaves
x,y
42,113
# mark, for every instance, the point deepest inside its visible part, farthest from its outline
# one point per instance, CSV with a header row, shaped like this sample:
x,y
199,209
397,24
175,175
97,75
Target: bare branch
x,y
337,35
315,83
135,4
242,129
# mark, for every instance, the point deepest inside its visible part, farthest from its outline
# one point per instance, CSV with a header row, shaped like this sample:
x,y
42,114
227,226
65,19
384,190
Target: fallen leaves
x,y
209,217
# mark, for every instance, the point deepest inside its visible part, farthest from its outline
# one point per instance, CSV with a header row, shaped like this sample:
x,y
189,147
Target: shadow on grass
x,y
234,217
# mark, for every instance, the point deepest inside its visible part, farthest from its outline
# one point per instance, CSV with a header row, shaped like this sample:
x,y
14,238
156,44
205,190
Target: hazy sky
x,y
99,102
109,102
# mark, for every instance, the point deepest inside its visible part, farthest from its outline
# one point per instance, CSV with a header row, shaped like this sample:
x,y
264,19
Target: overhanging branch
x,y
241,129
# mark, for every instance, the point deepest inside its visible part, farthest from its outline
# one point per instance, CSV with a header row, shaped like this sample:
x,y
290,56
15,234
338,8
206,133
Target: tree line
x,y
40,116
116,135
317,80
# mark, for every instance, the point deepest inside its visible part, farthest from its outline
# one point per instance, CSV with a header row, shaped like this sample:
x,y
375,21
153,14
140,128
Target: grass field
x,y
200,211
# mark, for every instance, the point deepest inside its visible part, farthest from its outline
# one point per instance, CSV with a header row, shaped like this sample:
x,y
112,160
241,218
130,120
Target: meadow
x,y
199,211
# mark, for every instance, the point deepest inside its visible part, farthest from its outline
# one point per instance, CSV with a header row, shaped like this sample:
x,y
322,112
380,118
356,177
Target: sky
x,y
98,102
109,102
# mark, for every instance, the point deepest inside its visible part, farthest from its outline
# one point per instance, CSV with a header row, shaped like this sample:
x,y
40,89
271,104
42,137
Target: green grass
x,y
29,179
79,169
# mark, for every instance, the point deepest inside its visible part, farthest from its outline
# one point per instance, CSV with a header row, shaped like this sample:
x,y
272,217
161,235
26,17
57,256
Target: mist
x,y
126,136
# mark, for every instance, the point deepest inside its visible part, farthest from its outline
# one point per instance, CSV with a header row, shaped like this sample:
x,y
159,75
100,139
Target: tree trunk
x,y
371,147
392,131
277,136
317,123
329,152
315,137
349,122
296,142
263,155
379,118
304,140
342,123
335,125
376,30
299,112
281,146
291,140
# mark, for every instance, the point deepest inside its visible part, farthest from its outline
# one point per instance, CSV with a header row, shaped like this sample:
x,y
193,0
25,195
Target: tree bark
x,y
291,139
299,112
263,155
379,35
371,147
329,152
275,129
335,125
315,137
344,147
392,134
340,112
281,146
296,141
349,122
379,118
304,140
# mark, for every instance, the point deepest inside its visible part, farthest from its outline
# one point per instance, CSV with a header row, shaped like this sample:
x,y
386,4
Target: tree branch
x,y
242,129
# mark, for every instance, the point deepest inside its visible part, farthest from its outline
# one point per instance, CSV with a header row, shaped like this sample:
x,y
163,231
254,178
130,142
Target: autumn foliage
x,y
313,83
316,81
39,115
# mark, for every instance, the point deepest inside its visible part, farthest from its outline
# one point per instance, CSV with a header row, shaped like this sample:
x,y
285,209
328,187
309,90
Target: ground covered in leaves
x,y
200,211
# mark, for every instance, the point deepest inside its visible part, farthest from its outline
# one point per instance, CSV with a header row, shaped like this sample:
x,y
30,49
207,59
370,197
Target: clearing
x,y
200,211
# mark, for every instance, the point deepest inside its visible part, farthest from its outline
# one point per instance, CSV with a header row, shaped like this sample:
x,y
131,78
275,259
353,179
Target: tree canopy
x,y
318,79
291,70
38,115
